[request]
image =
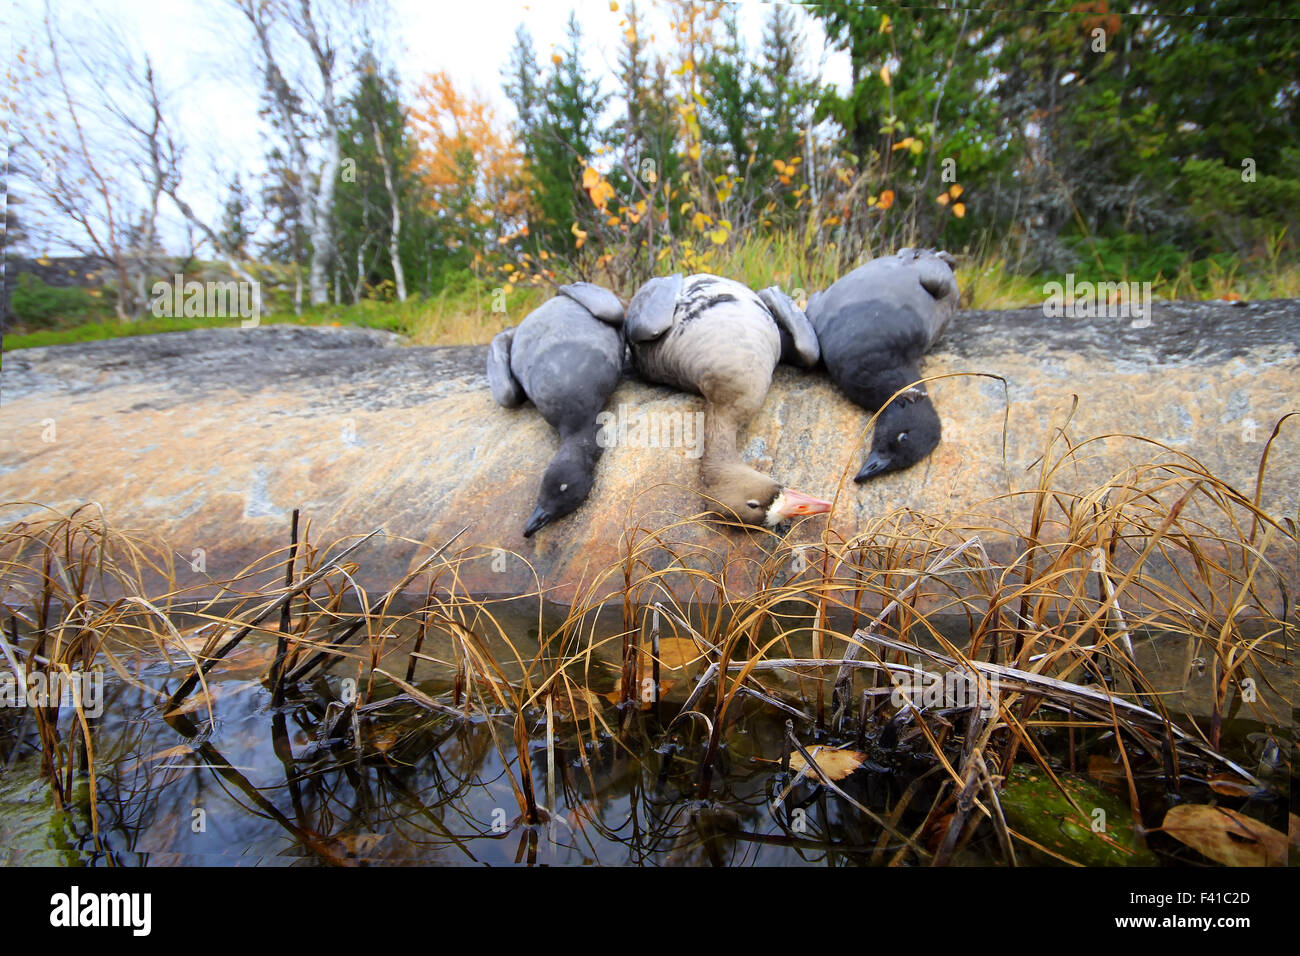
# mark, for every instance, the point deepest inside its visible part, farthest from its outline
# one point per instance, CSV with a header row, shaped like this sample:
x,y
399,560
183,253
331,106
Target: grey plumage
x,y
873,326
565,357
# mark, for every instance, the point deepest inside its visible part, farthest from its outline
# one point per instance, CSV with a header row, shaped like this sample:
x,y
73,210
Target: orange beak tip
x,y
797,503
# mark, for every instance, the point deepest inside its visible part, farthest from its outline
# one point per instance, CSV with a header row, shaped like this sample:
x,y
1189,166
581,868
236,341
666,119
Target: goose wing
x,y
505,387
798,340
599,301
650,313
937,278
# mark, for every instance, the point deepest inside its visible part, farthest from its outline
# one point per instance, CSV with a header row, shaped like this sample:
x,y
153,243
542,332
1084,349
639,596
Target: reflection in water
x,y
317,781
291,785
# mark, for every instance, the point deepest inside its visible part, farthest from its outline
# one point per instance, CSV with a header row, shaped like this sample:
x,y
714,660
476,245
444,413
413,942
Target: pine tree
x,y
376,194
564,137
234,232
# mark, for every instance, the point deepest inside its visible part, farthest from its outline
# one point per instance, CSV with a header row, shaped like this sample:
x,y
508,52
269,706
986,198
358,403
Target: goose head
x,y
565,485
738,492
907,430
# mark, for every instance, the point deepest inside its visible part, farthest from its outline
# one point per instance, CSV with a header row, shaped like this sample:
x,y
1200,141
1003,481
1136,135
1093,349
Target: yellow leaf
x,y
556,59
955,190
718,236
1226,836
884,75
590,177
959,210
943,199
613,5
836,764
701,221
901,144
694,151
885,25
917,147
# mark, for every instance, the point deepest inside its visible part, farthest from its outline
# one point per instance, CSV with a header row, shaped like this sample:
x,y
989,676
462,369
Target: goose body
x,y
565,357
873,326
719,339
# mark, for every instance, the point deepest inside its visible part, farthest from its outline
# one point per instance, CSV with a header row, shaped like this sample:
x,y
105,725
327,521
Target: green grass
x,y
469,309
111,328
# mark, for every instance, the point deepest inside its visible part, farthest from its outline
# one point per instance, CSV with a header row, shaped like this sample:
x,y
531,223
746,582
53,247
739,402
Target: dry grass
x,y
1051,612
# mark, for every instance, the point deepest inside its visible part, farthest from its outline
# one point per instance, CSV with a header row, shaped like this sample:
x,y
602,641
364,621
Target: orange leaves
x,y
785,171
600,191
886,199
579,233
916,146
470,165
955,190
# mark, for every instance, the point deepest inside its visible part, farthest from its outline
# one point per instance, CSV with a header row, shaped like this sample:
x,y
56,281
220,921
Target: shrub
x,y
38,305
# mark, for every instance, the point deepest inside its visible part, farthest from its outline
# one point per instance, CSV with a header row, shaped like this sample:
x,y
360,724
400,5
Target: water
x,y
262,785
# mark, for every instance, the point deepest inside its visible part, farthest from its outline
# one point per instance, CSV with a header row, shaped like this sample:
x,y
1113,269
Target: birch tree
x,y
299,64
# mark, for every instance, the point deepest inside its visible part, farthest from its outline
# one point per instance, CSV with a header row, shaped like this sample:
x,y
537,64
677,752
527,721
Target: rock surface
x,y
210,438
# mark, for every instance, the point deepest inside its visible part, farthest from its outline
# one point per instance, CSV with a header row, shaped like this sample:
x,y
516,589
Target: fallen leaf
x,y
384,738
575,703
836,764
1230,786
646,701
674,652
1104,769
1226,836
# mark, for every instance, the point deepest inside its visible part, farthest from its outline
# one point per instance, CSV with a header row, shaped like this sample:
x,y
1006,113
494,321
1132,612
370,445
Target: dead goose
x,y
565,357
873,326
719,339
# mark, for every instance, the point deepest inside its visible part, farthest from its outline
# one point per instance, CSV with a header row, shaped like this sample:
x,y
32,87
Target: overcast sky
x,y
200,51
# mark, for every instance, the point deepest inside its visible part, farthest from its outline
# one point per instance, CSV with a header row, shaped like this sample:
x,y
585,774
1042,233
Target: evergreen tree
x,y
234,232
377,152
558,128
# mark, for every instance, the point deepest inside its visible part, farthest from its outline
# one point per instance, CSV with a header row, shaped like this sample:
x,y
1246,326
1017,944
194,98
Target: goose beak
x,y
875,465
536,521
794,503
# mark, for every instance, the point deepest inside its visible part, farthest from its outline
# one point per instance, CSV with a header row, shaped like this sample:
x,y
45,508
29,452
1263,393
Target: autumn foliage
x,y
469,163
